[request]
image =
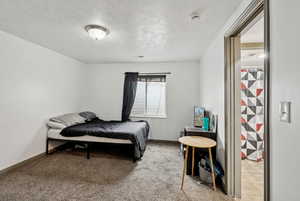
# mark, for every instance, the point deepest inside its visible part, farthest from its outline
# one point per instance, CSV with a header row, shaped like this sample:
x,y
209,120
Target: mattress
x,y
135,131
55,134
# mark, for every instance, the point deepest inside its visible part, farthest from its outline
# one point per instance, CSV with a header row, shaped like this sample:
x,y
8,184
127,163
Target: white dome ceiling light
x,y
96,32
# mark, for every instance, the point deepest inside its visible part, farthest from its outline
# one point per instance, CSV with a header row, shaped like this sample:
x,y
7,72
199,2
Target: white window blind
x,y
150,100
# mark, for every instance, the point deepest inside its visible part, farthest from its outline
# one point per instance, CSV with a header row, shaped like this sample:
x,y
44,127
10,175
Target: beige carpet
x,y
107,176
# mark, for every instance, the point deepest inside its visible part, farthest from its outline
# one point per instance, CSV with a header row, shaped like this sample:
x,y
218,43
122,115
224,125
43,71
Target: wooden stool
x,y
198,142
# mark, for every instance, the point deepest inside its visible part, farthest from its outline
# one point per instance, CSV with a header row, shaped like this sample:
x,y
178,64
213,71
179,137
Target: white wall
x,y
105,92
285,75
35,84
212,80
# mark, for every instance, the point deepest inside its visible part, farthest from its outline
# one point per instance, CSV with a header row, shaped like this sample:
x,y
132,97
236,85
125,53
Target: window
x,y
150,100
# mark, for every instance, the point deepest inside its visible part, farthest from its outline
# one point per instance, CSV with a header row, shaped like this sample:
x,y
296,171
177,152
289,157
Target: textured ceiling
x,y
161,30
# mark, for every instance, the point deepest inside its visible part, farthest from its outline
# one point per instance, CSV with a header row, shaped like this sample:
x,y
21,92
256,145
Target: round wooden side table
x,y
198,142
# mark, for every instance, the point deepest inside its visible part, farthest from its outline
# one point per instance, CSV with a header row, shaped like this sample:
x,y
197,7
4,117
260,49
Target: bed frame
x,y
88,143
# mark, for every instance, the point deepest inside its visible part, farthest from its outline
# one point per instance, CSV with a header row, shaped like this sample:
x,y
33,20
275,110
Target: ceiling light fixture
x,y
263,55
195,15
252,55
96,32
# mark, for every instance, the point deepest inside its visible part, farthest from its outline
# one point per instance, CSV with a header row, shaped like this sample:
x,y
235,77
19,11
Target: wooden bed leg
x,y
47,146
87,151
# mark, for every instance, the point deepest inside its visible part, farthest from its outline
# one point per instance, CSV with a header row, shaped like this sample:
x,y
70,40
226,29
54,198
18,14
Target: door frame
x,y
232,104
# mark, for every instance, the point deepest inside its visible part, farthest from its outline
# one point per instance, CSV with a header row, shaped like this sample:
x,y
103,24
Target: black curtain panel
x,y
130,84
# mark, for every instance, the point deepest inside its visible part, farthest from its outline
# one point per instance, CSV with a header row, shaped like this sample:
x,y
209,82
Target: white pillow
x,y
68,119
56,125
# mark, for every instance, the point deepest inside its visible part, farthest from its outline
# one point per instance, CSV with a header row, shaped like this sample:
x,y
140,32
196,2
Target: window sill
x,y
149,116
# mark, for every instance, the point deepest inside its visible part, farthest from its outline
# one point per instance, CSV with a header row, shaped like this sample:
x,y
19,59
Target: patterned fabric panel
x,y
252,117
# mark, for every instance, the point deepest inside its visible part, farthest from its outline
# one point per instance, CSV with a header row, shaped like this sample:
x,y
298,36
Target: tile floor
x,y
252,180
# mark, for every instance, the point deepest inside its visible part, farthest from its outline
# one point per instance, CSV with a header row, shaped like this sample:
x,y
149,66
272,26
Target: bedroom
x,y
51,65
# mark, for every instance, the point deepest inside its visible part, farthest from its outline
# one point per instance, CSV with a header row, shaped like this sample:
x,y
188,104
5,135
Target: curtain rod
x,y
162,73
159,73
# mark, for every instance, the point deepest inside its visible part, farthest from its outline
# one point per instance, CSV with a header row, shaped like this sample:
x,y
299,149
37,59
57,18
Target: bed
x,y
134,133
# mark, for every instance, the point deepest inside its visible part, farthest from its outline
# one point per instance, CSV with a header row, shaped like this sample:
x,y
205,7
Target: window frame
x,y
151,116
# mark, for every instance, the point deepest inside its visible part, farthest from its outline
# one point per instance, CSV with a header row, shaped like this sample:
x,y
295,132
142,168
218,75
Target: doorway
x,y
252,110
247,104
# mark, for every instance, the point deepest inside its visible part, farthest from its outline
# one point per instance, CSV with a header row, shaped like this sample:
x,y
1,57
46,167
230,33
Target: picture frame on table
x,y
199,113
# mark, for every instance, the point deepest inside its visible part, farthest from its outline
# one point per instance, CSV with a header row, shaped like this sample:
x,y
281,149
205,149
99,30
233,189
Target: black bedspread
x,y
135,131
